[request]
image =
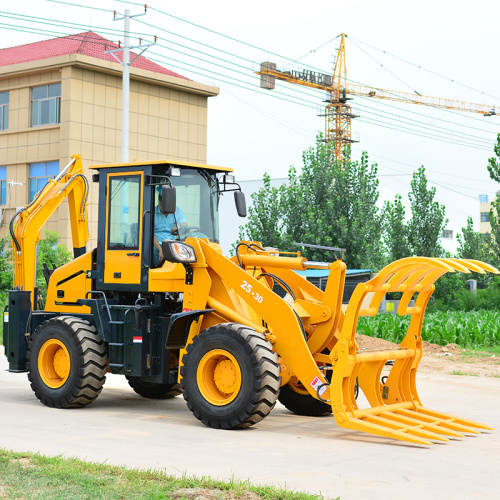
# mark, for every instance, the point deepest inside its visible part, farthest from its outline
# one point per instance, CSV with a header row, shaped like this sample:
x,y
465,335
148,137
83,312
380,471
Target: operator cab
x,y
143,204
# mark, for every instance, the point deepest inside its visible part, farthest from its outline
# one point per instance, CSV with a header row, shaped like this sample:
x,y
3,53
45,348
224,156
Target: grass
x,y
457,372
29,476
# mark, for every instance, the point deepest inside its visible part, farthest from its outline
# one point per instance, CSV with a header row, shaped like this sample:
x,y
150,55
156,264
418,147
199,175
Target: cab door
x,y
124,229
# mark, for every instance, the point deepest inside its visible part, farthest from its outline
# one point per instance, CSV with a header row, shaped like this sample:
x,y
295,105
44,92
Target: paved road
x,y
306,454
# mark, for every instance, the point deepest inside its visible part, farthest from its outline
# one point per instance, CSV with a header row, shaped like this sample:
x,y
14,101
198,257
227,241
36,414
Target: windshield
x,y
197,212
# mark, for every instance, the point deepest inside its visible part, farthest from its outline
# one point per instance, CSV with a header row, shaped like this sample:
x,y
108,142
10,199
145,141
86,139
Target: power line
x,y
288,97
228,53
424,69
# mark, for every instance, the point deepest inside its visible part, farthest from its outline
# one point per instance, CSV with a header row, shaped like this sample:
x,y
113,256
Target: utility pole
x,y
126,62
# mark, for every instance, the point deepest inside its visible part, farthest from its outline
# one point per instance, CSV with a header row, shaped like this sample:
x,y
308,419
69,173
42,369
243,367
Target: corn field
x,y
467,329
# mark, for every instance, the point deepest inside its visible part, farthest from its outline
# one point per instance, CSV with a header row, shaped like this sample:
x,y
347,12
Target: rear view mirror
x,y
168,200
241,205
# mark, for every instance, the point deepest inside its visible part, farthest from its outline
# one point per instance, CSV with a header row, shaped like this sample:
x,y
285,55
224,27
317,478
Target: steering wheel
x,y
186,229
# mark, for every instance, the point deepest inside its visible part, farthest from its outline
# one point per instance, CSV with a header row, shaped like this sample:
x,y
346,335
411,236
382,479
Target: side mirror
x,y
168,199
241,205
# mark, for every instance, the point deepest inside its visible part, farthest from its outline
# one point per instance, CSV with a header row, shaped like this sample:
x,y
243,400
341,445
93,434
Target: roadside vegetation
x,y
469,330
27,476
333,204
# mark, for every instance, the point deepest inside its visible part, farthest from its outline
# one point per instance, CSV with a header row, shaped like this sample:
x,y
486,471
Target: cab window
x,y
124,212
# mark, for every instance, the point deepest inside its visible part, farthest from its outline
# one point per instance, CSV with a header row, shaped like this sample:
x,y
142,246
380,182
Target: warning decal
x,y
316,382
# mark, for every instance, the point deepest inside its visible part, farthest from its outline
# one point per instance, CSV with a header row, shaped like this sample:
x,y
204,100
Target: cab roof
x,y
176,163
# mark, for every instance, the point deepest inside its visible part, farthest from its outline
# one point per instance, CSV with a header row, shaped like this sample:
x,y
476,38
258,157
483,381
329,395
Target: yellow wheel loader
x,y
157,301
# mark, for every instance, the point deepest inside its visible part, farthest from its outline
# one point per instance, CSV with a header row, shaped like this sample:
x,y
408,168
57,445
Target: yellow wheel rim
x,y
219,377
297,386
54,363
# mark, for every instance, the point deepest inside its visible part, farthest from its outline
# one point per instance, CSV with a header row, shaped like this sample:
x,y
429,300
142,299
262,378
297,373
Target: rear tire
x,y
230,376
294,397
154,391
67,362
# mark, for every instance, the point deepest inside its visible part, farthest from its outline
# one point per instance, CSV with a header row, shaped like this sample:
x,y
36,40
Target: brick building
x,y
63,96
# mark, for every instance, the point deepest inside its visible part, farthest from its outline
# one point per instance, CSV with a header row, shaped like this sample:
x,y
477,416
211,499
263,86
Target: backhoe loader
x,y
179,317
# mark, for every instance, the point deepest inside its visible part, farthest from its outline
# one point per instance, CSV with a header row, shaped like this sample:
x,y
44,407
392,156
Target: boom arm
x,y
326,82
26,224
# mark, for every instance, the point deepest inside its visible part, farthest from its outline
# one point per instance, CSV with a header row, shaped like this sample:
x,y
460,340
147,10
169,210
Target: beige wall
x,y
21,144
484,227
165,122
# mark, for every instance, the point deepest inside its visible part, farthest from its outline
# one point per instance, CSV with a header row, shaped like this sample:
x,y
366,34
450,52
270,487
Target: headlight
x,y
175,251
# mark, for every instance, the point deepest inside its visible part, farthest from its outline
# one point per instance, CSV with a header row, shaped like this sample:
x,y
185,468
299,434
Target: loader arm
x,y
283,325
25,226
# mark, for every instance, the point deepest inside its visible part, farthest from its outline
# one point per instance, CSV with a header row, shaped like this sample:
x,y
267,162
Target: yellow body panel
x,y
72,282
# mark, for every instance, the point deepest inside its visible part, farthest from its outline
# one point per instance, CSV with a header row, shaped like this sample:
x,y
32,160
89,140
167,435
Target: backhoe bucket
x,y
395,409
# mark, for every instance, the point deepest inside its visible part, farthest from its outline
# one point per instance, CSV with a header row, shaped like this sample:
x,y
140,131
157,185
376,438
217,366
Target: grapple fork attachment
x,y
395,409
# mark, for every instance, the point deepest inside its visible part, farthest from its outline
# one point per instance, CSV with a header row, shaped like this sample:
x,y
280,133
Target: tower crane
x,y
338,113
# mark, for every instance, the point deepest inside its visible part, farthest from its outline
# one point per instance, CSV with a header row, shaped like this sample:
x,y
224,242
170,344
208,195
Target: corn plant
x,y
466,329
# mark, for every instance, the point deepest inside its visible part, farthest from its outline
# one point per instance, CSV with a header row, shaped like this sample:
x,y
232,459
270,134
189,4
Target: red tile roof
x,y
89,44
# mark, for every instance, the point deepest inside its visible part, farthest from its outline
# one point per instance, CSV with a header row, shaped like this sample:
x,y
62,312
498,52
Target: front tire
x,y
154,391
230,376
67,362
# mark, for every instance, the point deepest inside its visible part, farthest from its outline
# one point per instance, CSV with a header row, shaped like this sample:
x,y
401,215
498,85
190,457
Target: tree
x,y
396,229
327,204
470,244
427,218
421,235
492,240
265,216
494,162
50,251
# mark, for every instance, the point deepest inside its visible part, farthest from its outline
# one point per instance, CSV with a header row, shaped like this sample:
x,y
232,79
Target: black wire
x,y
238,255
280,282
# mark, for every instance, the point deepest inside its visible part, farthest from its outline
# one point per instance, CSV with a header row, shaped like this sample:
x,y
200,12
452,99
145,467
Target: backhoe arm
x,y
26,224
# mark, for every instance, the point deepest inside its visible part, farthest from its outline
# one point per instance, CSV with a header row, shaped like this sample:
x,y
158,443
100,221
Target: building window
x,y
3,185
485,217
485,237
45,104
4,110
483,198
448,234
39,175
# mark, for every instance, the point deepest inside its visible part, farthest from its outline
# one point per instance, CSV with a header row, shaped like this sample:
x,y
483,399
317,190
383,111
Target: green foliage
x,y
264,212
428,218
325,204
5,265
471,329
470,245
396,229
494,162
453,295
421,235
493,239
50,251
